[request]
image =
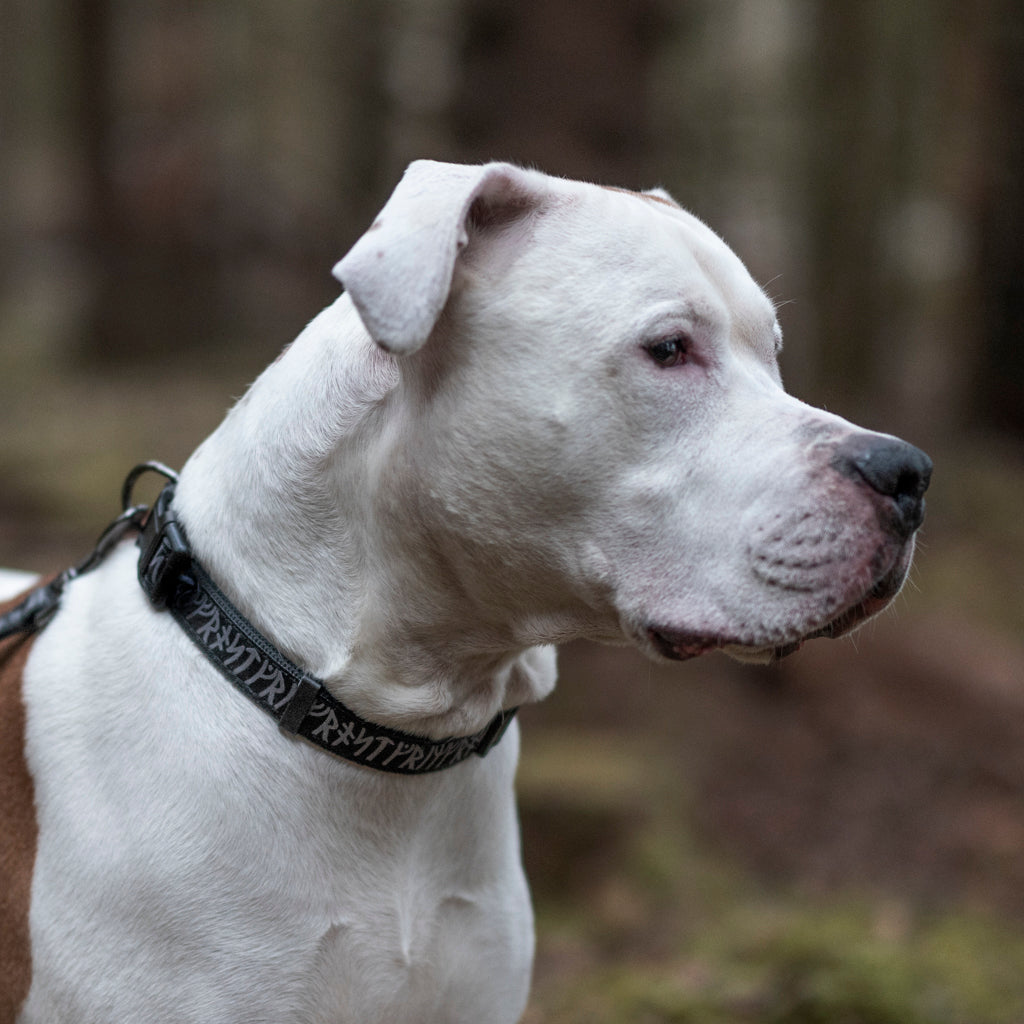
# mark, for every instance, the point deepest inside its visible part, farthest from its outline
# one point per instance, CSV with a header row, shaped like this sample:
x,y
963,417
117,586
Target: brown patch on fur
x,y
644,195
18,828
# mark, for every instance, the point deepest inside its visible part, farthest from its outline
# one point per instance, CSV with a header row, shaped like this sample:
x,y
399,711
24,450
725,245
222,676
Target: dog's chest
x,y
458,958
195,865
270,921
436,925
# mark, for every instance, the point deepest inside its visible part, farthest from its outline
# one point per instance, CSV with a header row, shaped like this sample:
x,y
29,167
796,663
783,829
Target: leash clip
x,y
42,602
36,610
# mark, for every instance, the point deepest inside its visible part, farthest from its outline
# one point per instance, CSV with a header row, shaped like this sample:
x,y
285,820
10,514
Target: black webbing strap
x,y
299,702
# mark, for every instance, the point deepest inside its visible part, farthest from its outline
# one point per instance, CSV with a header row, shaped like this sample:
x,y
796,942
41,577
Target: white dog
x,y
542,410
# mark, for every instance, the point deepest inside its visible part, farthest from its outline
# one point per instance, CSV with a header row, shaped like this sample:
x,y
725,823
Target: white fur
x,y
416,530
13,582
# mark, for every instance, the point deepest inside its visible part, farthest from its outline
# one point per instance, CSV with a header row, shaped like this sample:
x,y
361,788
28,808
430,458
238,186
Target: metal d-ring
x,y
144,467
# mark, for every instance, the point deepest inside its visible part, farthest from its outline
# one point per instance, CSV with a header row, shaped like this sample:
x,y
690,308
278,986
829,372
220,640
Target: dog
x,y
540,410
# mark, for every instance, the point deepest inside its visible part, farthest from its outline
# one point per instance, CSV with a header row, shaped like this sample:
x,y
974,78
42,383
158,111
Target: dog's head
x,y
597,431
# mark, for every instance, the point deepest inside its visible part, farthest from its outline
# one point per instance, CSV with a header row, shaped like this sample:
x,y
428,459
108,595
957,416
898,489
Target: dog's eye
x,y
669,351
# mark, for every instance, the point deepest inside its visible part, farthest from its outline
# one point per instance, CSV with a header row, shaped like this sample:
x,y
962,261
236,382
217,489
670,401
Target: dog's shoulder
x,y
19,832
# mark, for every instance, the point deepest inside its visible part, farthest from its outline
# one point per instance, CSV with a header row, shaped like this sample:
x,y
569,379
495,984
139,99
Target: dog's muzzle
x,y
895,475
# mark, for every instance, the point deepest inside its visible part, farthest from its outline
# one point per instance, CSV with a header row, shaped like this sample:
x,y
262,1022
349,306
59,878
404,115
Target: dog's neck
x,y
301,534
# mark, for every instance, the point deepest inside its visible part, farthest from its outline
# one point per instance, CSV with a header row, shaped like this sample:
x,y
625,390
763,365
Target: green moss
x,y
801,962
677,934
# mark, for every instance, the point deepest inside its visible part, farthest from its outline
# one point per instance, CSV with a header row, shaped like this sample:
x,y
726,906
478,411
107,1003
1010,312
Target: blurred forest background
x,y
837,838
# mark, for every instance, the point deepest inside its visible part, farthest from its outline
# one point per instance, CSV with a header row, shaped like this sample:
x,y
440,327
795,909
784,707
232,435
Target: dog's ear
x,y
400,272
660,193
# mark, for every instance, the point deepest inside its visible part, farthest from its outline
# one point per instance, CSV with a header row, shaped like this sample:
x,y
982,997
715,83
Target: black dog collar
x,y
297,701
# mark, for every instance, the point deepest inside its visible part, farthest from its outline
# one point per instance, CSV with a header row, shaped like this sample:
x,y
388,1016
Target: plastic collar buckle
x,y
165,554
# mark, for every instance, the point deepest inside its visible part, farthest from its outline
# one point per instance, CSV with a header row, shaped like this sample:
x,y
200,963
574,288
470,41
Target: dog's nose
x,y
892,468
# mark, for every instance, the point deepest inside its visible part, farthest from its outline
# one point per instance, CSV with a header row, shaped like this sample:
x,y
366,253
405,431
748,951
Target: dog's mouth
x,y
680,645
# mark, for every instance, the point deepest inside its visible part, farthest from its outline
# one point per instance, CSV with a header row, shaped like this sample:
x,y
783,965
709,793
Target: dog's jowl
x,y
261,743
